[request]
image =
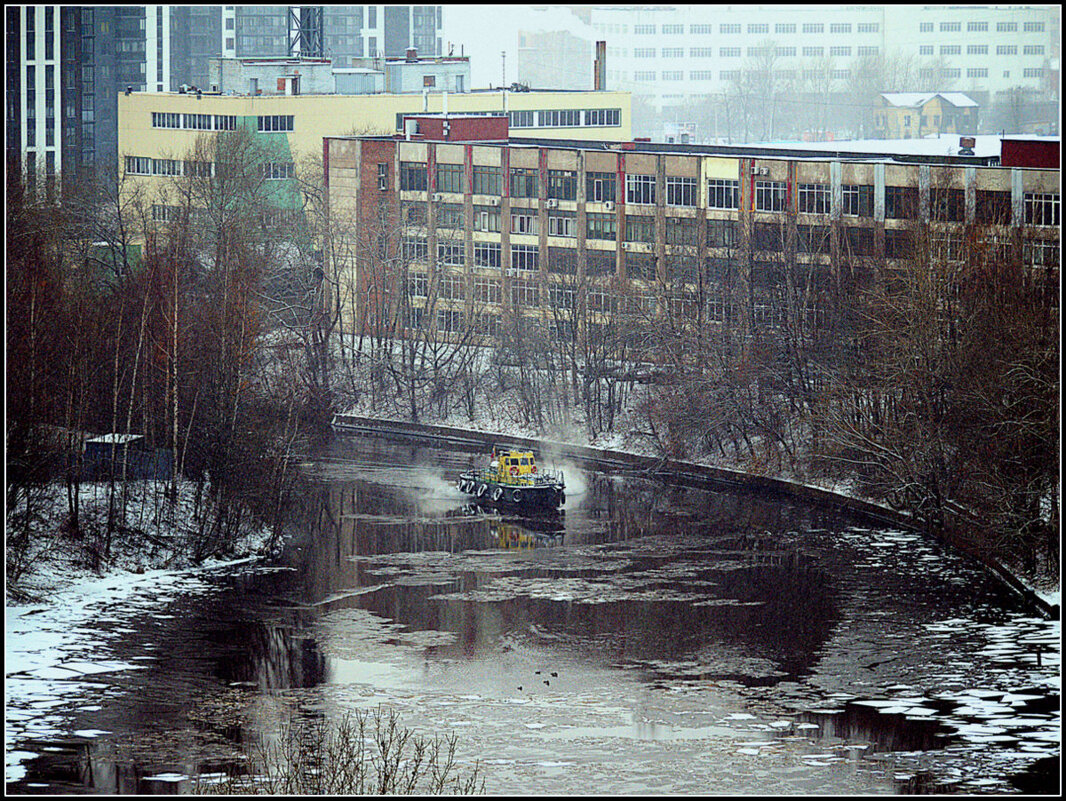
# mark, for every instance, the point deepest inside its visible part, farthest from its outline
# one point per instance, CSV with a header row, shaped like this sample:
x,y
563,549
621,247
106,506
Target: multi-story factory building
x,y
459,221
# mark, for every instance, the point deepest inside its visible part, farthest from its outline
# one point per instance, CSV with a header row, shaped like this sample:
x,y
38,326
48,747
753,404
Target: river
x,y
651,639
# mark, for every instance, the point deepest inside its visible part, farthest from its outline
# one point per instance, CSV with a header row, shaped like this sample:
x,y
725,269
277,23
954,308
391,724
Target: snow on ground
x,y
54,643
53,648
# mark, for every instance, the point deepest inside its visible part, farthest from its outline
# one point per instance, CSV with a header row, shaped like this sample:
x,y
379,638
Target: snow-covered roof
x,y
937,145
116,438
958,99
916,99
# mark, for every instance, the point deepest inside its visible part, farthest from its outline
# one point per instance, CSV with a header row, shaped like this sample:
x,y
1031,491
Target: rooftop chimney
x,y
599,67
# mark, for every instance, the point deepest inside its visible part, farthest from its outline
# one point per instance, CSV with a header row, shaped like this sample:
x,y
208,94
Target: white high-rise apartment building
x,y
674,54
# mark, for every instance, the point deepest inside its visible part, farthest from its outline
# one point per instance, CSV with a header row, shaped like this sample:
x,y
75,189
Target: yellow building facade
x,y
912,115
164,126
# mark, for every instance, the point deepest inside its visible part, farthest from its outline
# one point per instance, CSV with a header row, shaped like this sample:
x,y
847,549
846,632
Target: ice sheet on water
x,y
353,633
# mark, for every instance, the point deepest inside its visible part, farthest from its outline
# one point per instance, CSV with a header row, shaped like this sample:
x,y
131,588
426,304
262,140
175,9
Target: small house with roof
x,y
912,115
125,456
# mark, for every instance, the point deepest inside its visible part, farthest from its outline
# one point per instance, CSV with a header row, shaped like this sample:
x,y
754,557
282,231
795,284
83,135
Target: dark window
x,y
681,231
858,200
723,194
992,208
859,241
813,199
721,233
599,262
487,181
600,187
640,228
766,236
898,244
770,195
680,191
641,266
414,214
1042,208
450,178
562,260
901,202
947,205
601,226
413,176
812,238
450,216
523,182
562,184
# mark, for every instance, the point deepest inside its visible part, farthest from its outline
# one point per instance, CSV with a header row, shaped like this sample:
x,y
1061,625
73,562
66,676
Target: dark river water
x,y
651,639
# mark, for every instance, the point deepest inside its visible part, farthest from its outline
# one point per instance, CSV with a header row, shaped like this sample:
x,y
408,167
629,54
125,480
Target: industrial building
x,y
458,219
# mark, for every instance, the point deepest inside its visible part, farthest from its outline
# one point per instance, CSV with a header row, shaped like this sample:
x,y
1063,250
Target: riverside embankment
x,y
691,474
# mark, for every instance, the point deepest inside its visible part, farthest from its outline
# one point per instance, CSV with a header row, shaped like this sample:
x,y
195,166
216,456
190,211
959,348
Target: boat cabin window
x,y
525,461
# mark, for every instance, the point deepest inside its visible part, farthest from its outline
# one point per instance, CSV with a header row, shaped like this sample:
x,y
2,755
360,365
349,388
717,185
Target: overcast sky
x,y
483,32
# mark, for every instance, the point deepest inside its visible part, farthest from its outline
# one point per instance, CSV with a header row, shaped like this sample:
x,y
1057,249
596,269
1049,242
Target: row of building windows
x,y
982,50
724,234
219,122
758,28
566,118
766,269
194,122
735,75
980,27
680,191
274,123
644,76
144,165
755,28
761,51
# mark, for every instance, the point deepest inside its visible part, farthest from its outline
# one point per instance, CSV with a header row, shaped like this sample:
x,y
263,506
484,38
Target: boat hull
x,y
521,495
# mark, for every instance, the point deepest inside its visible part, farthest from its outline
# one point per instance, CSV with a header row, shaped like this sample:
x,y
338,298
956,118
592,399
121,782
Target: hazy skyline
x,y
484,32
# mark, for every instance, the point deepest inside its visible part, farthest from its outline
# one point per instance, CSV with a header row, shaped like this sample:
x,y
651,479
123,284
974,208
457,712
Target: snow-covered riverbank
x,y
53,639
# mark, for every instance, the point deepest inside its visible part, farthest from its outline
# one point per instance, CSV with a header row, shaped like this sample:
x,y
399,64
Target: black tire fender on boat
x,y
516,496
496,493
561,497
481,489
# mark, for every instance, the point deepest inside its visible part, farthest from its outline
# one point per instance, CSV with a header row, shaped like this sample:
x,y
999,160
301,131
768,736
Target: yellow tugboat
x,y
512,479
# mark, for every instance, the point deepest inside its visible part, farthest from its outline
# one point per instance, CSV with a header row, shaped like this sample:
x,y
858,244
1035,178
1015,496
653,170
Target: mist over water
x,y
430,483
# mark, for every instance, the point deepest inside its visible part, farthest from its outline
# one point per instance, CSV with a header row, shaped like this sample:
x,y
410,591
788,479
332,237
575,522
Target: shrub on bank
x,y
365,753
